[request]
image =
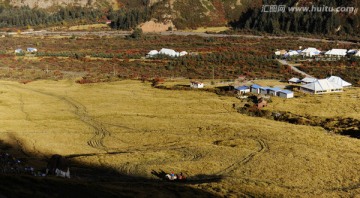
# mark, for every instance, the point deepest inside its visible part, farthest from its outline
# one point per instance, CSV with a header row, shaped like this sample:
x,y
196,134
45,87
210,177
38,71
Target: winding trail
x,y
294,68
168,33
262,147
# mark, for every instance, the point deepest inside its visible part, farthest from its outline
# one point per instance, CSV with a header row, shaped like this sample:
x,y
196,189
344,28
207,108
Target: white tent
x,y
339,81
152,53
321,86
292,53
336,52
310,51
168,52
352,51
183,53
31,49
18,51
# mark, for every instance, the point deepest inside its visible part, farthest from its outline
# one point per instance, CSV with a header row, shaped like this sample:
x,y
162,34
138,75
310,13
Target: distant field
x,y
133,129
90,27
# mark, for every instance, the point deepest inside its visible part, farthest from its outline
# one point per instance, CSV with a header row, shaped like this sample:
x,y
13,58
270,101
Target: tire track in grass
x,y
97,141
22,108
262,147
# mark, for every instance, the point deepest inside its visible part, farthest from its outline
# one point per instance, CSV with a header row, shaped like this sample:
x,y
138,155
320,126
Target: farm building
x,y
294,81
195,84
273,91
285,94
261,103
321,86
31,50
308,80
310,51
336,52
264,90
255,88
339,81
243,89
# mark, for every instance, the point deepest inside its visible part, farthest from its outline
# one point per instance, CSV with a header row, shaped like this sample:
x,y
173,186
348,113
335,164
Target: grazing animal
x,y
170,177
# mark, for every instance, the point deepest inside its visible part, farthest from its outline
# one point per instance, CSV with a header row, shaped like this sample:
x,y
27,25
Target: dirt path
x,y
166,33
294,68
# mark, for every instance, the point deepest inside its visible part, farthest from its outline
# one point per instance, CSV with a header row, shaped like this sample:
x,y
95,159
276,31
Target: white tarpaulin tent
x,y
321,86
310,51
336,52
152,53
307,80
339,81
292,53
167,52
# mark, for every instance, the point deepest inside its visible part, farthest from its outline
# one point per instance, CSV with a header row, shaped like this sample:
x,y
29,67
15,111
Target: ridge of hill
x,y
239,14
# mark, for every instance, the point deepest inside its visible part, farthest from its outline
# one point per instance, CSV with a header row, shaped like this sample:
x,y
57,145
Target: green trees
x,y
127,20
24,16
317,22
137,33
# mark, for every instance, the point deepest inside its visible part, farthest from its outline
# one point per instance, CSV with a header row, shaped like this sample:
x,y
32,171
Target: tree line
x,y
301,22
25,16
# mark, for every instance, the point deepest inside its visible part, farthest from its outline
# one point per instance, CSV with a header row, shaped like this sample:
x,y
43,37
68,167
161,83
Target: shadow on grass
x,y
92,181
194,179
351,133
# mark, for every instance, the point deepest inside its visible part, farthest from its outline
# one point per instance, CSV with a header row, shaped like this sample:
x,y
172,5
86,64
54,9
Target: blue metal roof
x,y
275,89
242,88
255,86
265,88
286,91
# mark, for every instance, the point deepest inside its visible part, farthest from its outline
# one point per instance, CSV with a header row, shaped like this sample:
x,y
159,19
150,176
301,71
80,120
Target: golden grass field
x,y
132,128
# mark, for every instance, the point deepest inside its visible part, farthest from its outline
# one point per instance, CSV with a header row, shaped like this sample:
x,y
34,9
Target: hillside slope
x,y
240,14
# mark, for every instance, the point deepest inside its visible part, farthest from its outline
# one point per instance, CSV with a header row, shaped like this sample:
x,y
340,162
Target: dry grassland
x,y
344,104
194,132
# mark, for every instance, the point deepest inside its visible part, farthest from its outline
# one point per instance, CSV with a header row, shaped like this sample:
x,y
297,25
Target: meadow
x,y
133,129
